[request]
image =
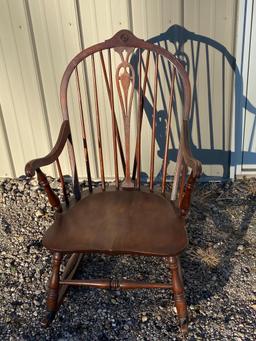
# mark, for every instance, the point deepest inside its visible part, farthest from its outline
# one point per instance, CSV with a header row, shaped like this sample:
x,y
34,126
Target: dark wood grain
x,y
32,165
153,137
178,291
186,195
86,154
140,112
116,284
128,218
64,191
99,139
125,81
53,289
52,197
168,131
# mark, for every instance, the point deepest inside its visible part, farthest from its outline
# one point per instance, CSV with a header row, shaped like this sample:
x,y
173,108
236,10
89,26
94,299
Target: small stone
x,y
144,318
113,301
55,184
240,247
21,187
253,306
33,182
36,303
175,310
39,213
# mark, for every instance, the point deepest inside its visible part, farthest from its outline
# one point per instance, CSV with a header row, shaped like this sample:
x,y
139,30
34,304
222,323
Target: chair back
x,y
138,78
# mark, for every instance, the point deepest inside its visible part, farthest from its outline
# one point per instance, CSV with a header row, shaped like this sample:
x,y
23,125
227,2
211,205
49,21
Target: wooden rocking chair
x,y
129,217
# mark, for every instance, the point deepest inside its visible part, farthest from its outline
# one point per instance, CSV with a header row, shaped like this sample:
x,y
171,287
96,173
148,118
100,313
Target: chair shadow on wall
x,y
198,276
178,36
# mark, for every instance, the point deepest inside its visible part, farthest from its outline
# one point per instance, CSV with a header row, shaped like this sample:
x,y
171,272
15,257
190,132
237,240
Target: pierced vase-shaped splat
x,y
125,79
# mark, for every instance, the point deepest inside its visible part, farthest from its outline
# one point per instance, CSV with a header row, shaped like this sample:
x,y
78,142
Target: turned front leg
x,y
53,289
178,291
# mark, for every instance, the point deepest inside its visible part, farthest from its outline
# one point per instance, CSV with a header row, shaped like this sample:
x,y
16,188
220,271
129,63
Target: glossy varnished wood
x,y
131,222
114,284
178,291
168,131
68,274
99,139
86,154
129,218
53,289
52,197
153,137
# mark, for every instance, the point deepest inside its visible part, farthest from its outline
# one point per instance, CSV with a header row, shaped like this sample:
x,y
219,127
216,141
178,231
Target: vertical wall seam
x,y
232,99
86,81
247,83
19,63
130,16
182,16
38,75
50,50
11,93
7,143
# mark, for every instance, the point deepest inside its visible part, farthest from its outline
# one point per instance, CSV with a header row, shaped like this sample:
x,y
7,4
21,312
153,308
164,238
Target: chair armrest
x,y
189,160
32,165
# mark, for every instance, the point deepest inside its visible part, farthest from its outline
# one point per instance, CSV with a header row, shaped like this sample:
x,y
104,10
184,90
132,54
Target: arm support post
x,y
52,197
184,201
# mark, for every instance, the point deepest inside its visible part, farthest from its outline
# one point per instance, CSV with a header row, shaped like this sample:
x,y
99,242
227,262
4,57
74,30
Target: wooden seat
x,y
120,222
126,220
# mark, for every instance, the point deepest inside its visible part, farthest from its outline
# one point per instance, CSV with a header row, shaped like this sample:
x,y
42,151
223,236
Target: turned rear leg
x,y
178,291
53,290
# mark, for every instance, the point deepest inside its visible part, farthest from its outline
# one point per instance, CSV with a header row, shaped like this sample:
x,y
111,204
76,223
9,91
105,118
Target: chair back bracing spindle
x,y
130,70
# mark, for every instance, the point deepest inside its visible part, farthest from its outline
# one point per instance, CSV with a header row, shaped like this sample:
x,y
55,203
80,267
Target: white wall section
x,y
39,37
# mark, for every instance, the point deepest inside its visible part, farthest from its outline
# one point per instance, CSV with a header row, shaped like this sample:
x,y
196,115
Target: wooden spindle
x,y
98,123
168,128
186,197
177,175
152,160
182,182
62,182
146,73
86,155
139,123
75,181
114,123
109,85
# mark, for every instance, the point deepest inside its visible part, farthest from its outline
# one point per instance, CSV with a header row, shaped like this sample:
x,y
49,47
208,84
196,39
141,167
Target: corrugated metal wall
x,y
39,37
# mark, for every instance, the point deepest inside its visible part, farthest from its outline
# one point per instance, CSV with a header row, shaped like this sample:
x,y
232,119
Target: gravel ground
x,y
219,274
